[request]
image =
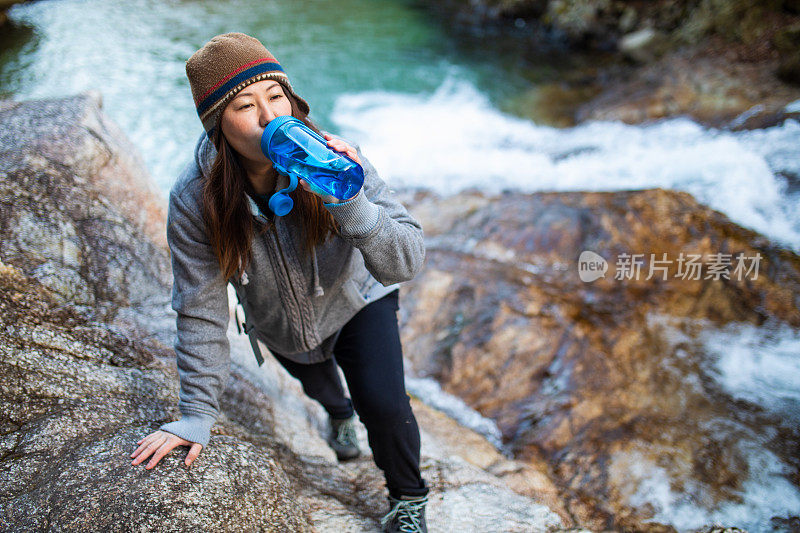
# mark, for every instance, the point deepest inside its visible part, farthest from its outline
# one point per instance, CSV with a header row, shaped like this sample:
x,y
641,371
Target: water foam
x,y
431,393
758,364
765,494
456,139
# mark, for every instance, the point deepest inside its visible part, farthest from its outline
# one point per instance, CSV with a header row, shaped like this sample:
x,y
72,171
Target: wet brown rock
x,y
707,85
787,41
590,376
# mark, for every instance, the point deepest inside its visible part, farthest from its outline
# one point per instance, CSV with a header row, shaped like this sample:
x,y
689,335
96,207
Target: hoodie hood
x,y
204,155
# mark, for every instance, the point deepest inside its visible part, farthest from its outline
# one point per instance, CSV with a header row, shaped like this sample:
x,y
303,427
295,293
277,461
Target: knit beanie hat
x,y
224,66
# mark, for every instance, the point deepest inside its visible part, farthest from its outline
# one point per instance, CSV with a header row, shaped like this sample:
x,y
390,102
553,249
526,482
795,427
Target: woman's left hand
x,y
342,147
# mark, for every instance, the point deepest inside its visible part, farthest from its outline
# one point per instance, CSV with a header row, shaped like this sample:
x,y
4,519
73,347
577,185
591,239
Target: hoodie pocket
x,y
353,294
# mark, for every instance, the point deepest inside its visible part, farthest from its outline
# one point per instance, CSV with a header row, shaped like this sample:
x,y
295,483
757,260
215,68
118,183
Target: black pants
x,y
369,352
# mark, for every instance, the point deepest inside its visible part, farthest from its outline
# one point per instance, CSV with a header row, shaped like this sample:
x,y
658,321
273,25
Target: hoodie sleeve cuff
x,y
357,217
193,428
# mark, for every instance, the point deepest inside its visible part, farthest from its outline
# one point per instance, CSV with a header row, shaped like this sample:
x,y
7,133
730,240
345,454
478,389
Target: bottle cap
x,y
281,204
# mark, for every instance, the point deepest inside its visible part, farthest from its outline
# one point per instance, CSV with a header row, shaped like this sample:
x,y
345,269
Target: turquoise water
x,y
133,52
428,107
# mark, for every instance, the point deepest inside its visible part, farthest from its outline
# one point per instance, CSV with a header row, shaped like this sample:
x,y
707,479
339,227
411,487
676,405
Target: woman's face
x,y
246,116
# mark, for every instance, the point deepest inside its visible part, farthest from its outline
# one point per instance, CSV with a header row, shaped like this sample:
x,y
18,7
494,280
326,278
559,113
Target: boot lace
x,y
408,513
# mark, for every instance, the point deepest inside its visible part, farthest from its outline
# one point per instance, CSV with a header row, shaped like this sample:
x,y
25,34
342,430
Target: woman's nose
x,y
266,116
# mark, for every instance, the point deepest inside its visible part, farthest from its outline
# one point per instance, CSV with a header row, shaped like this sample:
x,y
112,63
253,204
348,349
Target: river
x,y
428,109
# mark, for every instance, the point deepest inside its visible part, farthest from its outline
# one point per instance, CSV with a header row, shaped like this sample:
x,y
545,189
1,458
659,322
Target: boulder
x,y
77,395
80,212
713,88
610,381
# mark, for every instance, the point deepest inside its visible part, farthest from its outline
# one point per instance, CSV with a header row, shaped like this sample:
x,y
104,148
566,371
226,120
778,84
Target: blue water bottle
x,y
298,151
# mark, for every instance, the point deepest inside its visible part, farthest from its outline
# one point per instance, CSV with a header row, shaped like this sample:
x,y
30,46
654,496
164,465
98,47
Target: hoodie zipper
x,y
291,285
203,141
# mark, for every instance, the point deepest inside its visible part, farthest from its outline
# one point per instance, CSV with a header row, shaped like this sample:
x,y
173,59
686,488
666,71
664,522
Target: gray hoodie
x,y
295,305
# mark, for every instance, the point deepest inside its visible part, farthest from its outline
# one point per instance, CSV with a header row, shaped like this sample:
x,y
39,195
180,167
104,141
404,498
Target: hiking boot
x,y
406,515
343,438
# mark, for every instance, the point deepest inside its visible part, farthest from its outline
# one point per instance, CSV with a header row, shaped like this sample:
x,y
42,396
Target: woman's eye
x,y
274,96
245,105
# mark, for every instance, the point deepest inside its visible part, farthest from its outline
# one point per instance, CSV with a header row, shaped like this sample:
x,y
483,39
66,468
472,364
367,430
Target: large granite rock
x,y
80,212
77,395
612,382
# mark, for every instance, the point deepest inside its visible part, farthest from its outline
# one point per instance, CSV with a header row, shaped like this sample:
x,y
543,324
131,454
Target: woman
x,y
319,282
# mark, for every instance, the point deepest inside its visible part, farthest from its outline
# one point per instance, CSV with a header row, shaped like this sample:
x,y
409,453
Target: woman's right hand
x,y
159,444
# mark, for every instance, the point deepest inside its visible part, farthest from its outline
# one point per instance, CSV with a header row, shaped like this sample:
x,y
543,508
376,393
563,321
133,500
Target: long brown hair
x,y
226,211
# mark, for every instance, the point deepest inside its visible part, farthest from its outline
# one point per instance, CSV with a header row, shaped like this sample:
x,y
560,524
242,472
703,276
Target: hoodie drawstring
x,y
318,291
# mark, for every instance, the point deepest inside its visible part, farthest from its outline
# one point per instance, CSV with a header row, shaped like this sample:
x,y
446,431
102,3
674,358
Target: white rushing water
x,y
760,365
430,392
766,493
455,139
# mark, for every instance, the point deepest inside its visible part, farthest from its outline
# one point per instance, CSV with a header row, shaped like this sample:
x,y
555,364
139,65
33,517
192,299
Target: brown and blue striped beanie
x,y
224,66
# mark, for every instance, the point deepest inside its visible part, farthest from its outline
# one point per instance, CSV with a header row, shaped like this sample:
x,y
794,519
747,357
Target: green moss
x,y
744,21
787,39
